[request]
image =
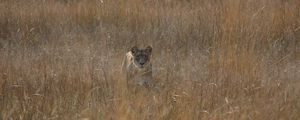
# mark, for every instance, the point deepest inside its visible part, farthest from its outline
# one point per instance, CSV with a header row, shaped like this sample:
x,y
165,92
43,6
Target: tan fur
x,y
134,74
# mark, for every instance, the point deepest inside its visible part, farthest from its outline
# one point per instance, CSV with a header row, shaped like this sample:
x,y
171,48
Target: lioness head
x,y
141,57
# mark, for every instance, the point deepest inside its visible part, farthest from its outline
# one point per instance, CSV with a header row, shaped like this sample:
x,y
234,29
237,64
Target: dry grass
x,y
213,59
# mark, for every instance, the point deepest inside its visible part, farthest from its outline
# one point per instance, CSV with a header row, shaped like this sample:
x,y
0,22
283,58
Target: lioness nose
x,y
142,63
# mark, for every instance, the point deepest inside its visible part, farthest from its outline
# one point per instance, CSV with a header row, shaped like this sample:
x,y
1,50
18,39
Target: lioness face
x,y
141,57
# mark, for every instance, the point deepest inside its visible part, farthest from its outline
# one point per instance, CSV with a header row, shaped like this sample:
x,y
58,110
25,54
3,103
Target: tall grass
x,y
212,59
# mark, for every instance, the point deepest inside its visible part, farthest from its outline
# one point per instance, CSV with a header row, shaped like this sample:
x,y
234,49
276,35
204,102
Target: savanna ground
x,y
212,59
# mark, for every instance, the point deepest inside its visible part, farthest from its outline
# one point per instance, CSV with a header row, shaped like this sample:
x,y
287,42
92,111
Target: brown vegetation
x,y
212,59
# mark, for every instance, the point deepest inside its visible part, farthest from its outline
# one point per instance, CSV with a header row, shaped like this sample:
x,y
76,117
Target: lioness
x,y
137,66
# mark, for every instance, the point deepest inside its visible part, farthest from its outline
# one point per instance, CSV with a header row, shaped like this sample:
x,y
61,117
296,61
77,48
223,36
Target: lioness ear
x,y
149,49
134,49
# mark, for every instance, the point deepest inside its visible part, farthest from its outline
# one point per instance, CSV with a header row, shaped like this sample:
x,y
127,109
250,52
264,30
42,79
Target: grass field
x,y
212,59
